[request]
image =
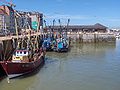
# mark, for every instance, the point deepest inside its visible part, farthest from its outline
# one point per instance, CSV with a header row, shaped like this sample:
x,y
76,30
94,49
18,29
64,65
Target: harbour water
x,y
85,67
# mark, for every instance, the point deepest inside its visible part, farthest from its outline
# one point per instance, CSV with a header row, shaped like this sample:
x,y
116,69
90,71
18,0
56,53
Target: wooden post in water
x,y
95,39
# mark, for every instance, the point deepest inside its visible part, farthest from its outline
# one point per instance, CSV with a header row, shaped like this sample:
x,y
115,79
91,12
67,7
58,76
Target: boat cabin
x,y
21,53
20,56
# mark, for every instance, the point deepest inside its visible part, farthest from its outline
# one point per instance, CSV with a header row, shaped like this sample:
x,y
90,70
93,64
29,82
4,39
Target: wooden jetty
x,y
9,43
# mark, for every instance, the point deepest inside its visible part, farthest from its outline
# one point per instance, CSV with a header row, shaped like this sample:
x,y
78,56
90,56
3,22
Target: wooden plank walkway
x,y
3,38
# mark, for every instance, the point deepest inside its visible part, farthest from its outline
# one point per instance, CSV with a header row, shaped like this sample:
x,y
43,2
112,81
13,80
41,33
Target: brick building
x,y
29,20
7,19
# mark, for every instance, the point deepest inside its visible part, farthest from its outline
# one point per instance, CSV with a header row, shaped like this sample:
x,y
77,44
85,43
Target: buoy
x,y
8,80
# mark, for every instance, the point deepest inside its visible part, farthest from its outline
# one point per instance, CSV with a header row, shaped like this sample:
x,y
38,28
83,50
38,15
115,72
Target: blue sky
x,y
87,12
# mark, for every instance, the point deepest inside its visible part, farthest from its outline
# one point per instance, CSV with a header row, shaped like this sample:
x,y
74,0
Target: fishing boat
x,y
62,45
47,44
27,57
62,41
22,62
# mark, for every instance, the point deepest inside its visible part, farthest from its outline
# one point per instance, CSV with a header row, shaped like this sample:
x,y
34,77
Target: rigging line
x,y
9,54
6,49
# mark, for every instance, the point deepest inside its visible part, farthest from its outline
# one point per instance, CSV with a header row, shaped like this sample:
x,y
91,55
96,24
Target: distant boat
x,y
118,36
47,44
62,45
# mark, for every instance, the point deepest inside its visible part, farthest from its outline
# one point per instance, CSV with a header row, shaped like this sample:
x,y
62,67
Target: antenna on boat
x,y
67,26
60,26
53,25
53,28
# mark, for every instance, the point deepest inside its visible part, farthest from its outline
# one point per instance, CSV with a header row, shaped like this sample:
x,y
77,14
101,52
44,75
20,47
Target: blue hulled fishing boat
x,y
62,45
47,43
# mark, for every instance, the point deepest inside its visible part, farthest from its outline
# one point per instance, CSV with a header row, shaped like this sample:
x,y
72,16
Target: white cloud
x,y
62,16
83,19
80,17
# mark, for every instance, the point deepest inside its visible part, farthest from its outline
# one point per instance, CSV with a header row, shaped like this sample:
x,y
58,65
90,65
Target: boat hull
x,y
65,49
14,69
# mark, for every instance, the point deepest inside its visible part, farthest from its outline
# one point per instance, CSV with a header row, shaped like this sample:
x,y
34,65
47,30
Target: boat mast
x,y
16,28
60,27
45,31
38,20
53,27
67,26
